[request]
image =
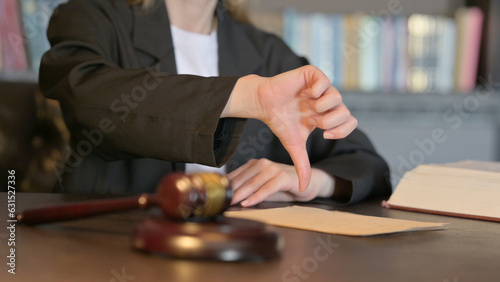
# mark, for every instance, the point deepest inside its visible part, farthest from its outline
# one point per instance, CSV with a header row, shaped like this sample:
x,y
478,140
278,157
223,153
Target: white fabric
x,y
196,54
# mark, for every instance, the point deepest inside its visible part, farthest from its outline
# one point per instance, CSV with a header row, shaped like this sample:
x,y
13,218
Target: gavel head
x,y
182,196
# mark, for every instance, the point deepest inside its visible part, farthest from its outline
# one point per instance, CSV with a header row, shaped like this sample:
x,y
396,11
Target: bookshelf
x,y
441,7
398,46
393,120
489,62
401,123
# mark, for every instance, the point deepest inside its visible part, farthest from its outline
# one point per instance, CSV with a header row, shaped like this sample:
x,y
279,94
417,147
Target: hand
x,y
264,180
292,104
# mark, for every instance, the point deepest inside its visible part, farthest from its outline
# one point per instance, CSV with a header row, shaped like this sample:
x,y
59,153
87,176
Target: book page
x,y
451,189
333,222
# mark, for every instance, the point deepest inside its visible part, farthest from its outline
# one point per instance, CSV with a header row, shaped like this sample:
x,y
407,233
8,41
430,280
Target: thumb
x,y
300,159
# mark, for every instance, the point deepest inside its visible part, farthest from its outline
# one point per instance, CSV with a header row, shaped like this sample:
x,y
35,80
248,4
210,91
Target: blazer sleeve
x,y
123,113
353,158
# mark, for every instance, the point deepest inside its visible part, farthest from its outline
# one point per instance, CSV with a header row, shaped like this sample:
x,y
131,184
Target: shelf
x,y
19,77
440,7
480,101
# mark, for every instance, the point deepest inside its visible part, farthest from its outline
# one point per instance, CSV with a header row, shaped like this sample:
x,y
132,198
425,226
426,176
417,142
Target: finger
x,y
316,81
333,118
242,174
248,171
267,190
253,184
329,100
239,169
300,159
280,196
342,130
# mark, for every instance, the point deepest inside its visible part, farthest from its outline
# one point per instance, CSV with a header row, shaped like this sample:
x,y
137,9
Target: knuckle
x,y
346,114
236,181
317,107
282,174
324,79
310,67
341,132
252,183
274,169
355,122
314,68
267,162
341,107
346,110
321,123
264,161
337,98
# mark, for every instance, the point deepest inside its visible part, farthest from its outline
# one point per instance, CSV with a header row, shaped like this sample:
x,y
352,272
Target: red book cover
x,y
472,45
469,23
13,48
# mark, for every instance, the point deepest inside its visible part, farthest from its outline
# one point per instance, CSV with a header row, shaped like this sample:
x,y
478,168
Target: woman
x,y
114,68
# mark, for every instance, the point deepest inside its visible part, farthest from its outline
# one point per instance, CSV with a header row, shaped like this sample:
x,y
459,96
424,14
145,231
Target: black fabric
x,y
103,50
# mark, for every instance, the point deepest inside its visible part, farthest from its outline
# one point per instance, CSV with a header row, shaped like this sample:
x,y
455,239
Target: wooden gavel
x,y
180,196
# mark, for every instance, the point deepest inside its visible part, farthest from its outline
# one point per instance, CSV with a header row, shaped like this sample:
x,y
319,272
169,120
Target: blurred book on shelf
x,y
469,23
418,53
1,56
23,28
13,54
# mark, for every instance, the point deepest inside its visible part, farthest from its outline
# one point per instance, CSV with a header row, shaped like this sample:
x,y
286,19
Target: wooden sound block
x,y
222,239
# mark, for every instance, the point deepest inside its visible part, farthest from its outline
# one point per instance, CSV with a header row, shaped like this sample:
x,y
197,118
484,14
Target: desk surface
x,y
99,249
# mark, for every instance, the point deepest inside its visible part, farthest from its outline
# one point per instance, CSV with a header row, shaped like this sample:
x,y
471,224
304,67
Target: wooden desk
x,y
98,249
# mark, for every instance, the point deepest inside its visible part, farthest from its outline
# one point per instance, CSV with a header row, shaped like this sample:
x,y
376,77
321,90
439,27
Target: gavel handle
x,y
84,209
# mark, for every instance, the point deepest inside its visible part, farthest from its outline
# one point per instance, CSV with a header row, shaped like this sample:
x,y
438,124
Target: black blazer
x,y
132,121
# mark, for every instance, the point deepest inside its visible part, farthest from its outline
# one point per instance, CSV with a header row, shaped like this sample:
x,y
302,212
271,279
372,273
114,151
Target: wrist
x,y
244,102
324,182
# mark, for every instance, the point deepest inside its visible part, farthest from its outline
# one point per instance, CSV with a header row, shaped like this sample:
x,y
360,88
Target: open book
x,y
465,189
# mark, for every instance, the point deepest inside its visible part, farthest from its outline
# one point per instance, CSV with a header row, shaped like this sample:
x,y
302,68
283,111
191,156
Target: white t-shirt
x,y
196,54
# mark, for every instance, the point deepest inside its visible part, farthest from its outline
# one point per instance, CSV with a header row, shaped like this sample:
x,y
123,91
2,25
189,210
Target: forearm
x,y
141,113
323,183
330,187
